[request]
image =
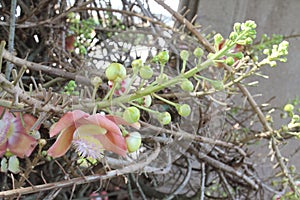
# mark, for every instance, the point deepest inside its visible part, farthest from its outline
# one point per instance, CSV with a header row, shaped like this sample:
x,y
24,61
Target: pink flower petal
x,y
113,142
104,122
21,144
29,121
62,143
119,120
67,120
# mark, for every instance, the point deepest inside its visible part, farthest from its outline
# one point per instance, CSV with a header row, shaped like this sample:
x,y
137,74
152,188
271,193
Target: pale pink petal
x,y
104,122
29,121
67,120
21,144
113,142
119,120
62,143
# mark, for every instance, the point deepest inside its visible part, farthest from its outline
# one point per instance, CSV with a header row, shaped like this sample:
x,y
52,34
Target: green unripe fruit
x,y
146,72
184,110
164,118
198,52
133,141
131,115
288,108
114,71
184,55
229,61
187,86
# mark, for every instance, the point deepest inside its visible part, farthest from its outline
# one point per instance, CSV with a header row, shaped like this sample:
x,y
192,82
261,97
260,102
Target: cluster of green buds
x,y
277,53
70,88
243,34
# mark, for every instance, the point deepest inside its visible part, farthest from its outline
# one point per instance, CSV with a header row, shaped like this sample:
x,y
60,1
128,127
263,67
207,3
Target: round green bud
x,y
249,40
218,38
229,61
239,55
146,72
164,118
237,27
233,36
133,141
96,81
288,108
114,71
137,63
184,55
163,57
198,52
184,110
187,86
131,114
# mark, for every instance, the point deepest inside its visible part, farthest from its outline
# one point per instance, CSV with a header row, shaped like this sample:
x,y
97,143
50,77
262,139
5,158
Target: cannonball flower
x,y
89,134
14,133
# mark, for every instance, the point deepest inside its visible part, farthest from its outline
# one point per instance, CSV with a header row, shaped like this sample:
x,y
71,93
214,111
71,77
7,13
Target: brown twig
x,y
46,69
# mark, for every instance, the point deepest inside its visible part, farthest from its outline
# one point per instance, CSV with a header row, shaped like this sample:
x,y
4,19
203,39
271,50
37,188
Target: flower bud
x,y
146,72
198,52
131,114
133,141
114,71
184,55
96,81
187,86
239,55
288,108
218,38
233,36
184,110
164,118
163,57
229,61
137,63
